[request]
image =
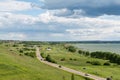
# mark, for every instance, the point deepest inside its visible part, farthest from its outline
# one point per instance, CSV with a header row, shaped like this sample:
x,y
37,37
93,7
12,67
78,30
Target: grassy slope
x,y
59,52
15,67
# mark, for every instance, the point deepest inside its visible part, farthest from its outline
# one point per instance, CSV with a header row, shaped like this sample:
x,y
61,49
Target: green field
x,y
14,66
78,62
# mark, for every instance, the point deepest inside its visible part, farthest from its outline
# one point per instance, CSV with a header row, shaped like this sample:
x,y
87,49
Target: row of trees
x,y
112,57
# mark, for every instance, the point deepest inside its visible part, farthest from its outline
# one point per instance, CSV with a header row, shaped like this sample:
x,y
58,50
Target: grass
x,y
58,52
16,67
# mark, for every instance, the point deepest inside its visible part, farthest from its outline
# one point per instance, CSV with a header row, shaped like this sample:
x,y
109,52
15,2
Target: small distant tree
x,y
80,51
72,77
21,51
15,45
71,48
49,59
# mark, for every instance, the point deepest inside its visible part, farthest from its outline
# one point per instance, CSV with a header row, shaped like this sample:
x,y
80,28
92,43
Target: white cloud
x,y
13,5
13,36
47,26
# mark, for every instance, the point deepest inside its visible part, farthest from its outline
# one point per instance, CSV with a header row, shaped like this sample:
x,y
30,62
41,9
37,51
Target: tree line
x,y
112,57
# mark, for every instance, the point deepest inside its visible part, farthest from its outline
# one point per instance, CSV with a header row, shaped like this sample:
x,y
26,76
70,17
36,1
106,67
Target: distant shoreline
x,y
99,42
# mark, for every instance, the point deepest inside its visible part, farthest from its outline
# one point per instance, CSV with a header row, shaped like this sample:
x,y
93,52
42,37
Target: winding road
x,y
65,68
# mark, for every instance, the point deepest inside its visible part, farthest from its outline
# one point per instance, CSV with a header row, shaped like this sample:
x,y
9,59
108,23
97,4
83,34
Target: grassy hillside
x,y
78,62
20,67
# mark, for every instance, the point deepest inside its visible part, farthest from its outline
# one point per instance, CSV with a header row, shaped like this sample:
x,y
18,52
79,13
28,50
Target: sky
x,y
60,20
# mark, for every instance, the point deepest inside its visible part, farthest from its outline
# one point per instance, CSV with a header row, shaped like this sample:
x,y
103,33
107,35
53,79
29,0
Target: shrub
x,y
95,63
43,55
21,51
26,49
15,45
88,62
75,59
70,59
107,64
31,54
80,51
63,59
49,59
71,48
20,55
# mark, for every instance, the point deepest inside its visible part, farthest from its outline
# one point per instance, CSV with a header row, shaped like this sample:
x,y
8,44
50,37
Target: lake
x,y
108,47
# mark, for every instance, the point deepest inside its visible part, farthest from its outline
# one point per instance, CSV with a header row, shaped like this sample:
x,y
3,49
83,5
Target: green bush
x,y
75,59
95,63
31,54
21,51
70,59
63,59
43,55
49,59
20,54
88,62
107,64
71,48
15,45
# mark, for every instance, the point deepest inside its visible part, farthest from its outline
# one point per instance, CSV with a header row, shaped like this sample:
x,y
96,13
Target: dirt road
x,y
66,69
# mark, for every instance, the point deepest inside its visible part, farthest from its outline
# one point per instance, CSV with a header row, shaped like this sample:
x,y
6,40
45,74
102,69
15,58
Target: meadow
x,y
79,62
14,65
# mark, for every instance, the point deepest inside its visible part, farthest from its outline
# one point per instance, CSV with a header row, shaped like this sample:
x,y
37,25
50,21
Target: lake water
x,y
108,47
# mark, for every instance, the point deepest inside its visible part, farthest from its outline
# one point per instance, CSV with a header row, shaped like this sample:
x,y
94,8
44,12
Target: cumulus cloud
x,y
58,27
13,5
61,20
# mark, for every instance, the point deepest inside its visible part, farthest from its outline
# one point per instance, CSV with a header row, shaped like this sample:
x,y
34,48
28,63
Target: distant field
x,y
78,62
20,67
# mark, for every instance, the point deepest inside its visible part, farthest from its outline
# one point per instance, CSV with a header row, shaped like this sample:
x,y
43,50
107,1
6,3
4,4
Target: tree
x,y
21,51
80,51
71,48
49,59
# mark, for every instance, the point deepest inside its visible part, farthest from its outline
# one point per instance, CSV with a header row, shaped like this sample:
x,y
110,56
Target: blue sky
x,y
59,20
